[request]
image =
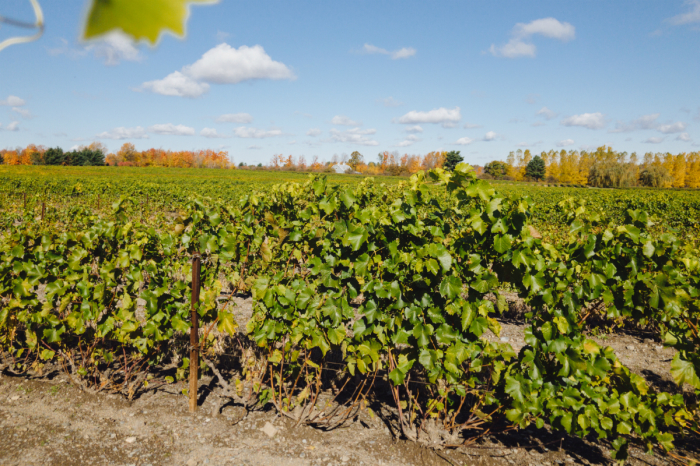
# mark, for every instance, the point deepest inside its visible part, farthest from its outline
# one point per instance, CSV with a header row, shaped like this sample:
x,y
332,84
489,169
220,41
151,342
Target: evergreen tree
x,y
54,156
535,169
451,160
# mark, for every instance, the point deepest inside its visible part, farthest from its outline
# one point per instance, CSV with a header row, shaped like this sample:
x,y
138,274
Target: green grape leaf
x,y
140,19
684,372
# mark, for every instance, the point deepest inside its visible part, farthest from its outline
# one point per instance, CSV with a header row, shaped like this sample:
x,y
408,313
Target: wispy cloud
x,y
404,52
171,129
211,133
344,121
565,142
520,44
355,136
122,132
240,118
546,113
586,120
449,118
690,16
643,122
390,102
246,132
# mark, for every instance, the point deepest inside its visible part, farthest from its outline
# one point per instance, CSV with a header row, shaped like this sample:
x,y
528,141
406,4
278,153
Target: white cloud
x,y
539,123
513,49
313,132
222,64
243,132
677,127
404,52
254,147
25,113
587,120
445,116
529,144
124,133
464,141
565,142
643,122
654,140
490,136
171,129
471,126
227,65
692,16
115,47
520,46
547,113
12,101
345,121
241,118
410,140
390,102
211,133
548,27
176,84
14,126
414,129
354,136
683,137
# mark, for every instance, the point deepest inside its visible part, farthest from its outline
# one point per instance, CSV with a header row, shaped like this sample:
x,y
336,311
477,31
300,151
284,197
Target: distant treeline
x,y
93,154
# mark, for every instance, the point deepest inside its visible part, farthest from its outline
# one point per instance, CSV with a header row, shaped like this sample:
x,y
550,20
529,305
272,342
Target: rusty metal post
x,y
194,332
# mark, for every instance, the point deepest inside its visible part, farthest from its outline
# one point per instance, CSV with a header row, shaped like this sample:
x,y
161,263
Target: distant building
x,y
341,167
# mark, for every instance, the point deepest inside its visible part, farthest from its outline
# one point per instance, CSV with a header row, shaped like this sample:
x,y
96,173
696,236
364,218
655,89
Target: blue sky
x,y
258,78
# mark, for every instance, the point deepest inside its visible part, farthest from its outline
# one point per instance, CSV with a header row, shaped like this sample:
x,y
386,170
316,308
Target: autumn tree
x,y
355,160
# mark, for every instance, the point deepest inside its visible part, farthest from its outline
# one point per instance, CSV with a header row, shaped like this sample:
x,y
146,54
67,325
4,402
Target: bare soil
x,y
46,420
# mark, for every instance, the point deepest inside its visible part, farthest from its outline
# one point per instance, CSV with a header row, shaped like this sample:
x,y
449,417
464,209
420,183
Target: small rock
x,y
345,459
269,430
14,398
505,339
658,348
113,436
303,441
191,462
630,347
130,439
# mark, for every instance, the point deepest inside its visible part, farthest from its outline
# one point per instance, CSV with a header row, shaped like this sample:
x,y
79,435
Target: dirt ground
x,y
48,421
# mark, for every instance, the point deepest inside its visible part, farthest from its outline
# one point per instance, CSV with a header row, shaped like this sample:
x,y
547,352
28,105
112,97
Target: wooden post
x,y
194,332
25,200
43,210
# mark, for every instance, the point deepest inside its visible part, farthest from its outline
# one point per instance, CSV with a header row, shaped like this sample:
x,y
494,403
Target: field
x,y
457,317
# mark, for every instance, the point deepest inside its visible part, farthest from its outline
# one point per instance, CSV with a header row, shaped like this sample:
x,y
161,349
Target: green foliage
x,y
496,169
655,176
452,158
398,281
535,169
612,174
139,19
